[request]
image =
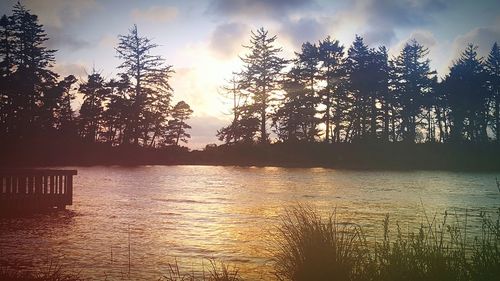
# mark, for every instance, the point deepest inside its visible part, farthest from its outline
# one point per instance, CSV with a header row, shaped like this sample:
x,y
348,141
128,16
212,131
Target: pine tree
x,y
296,120
115,117
358,74
95,93
233,133
333,98
149,77
412,82
382,92
176,129
261,76
6,69
492,66
467,96
32,76
65,112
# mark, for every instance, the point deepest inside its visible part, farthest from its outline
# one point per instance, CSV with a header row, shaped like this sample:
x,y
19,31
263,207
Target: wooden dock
x,y
26,190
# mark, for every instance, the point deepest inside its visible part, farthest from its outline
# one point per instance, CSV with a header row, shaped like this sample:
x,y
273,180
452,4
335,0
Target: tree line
x,y
358,94
36,103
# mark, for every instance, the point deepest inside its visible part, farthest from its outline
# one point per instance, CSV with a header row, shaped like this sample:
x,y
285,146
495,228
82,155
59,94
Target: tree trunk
x,y
497,118
386,121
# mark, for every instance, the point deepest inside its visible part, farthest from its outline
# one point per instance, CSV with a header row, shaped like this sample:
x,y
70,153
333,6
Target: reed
x,y
311,247
217,271
49,273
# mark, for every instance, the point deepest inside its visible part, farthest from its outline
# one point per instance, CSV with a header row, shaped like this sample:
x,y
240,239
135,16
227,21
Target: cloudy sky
x,y
202,39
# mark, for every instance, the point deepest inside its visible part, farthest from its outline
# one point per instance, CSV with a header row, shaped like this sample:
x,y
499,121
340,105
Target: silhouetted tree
x,y
261,76
116,116
157,121
359,86
6,68
95,93
492,65
413,81
241,129
26,75
295,119
467,97
65,118
176,129
149,78
333,95
384,96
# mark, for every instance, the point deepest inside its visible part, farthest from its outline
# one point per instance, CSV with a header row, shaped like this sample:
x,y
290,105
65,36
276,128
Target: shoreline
x,y
363,157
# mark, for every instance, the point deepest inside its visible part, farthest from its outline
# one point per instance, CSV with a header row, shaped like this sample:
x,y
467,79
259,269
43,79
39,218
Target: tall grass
x,y
49,273
218,271
311,247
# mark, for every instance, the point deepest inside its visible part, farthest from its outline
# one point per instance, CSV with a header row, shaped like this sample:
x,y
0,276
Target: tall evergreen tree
x,y
261,76
149,77
95,93
492,65
358,73
116,117
332,73
66,118
296,120
466,87
32,76
6,68
243,127
413,81
176,129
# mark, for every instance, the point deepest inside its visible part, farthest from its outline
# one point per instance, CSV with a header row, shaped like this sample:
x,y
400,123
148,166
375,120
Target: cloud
x,y
379,35
423,37
382,17
108,41
483,37
204,129
58,13
77,69
256,8
62,40
155,14
227,39
305,29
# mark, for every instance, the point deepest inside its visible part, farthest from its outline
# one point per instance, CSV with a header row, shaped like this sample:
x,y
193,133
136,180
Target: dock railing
x,y
35,189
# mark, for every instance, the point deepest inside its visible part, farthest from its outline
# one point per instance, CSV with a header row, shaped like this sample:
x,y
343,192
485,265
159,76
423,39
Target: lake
x,y
157,215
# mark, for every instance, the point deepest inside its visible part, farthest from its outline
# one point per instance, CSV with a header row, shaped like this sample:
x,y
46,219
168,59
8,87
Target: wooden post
x,y
69,190
45,184
38,185
52,184
60,186
8,186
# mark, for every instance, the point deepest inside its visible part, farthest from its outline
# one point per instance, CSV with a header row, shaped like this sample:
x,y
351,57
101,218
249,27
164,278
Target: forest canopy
x,y
133,108
336,94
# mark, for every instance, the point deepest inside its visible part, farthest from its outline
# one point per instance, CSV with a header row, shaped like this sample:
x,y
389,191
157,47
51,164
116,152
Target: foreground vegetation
x,y
315,248
309,246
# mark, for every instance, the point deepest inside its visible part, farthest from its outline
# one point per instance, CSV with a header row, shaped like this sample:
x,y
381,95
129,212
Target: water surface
x,y
159,214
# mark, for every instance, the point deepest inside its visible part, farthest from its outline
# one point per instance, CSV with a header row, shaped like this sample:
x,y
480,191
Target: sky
x,y
204,39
